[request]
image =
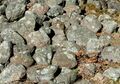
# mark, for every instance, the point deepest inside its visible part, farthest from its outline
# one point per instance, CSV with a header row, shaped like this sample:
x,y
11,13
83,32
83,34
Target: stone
x,y
79,34
91,22
70,46
38,38
103,17
43,55
53,3
111,53
64,59
55,11
39,9
14,37
67,76
25,25
39,73
113,5
12,73
5,51
14,11
16,1
109,26
23,58
87,69
95,45
72,8
112,73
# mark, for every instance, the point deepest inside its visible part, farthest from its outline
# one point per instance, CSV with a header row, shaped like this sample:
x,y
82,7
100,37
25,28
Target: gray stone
x,y
16,1
25,25
91,22
70,46
12,73
95,45
38,38
37,74
5,51
67,76
46,82
14,11
64,59
111,53
43,55
113,5
79,34
14,37
104,17
112,73
109,26
23,58
55,11
53,3
70,2
39,9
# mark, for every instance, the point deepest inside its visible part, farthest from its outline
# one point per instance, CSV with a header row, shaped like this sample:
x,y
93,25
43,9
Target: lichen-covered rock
x,y
14,11
37,74
14,37
111,53
91,22
25,25
67,76
53,3
79,34
109,26
12,73
55,11
64,59
112,73
23,58
38,38
43,55
95,45
5,51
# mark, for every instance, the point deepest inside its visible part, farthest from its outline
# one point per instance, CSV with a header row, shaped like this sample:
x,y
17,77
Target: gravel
x,y
59,41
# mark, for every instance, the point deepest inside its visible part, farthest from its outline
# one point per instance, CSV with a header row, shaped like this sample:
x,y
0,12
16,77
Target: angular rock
x,y
2,9
91,22
55,11
23,58
109,26
53,3
25,25
12,73
67,76
14,37
79,34
64,59
111,53
39,9
112,73
38,38
104,17
37,74
95,45
1,67
70,46
43,55
5,51
14,11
